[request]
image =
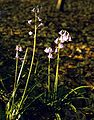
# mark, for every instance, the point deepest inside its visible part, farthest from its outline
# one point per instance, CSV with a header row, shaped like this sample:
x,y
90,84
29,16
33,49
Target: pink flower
x,y
69,38
64,38
50,55
48,50
56,41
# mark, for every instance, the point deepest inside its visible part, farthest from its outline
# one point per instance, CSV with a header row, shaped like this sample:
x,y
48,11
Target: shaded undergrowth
x,y
76,59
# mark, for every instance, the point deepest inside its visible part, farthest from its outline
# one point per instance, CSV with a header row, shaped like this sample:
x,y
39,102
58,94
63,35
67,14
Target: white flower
x,y
69,38
50,55
17,48
64,38
33,10
56,41
48,50
30,33
16,55
39,19
61,39
56,50
29,21
20,48
41,24
60,33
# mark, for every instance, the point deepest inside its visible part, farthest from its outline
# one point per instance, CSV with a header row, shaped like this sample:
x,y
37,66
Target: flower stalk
x,y
57,68
30,69
13,108
49,75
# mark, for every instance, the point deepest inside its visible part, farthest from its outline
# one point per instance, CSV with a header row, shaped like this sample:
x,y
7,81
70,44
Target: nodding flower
x,y
60,33
39,19
64,36
49,51
30,33
29,21
17,56
18,49
33,10
50,55
56,41
41,24
36,9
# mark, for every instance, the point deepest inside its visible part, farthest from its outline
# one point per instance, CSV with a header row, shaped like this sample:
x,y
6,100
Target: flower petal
x,y
56,41
48,50
29,21
56,50
50,55
30,33
60,33
17,48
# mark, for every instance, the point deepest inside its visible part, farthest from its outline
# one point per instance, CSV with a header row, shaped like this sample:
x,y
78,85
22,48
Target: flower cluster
x,y
63,37
35,10
18,49
49,51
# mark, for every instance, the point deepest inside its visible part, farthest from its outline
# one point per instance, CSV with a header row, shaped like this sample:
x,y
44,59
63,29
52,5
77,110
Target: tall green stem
x,y
49,76
9,109
57,67
16,70
32,61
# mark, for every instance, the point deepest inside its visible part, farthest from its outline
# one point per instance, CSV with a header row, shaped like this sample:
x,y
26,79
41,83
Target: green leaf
x,y
73,107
